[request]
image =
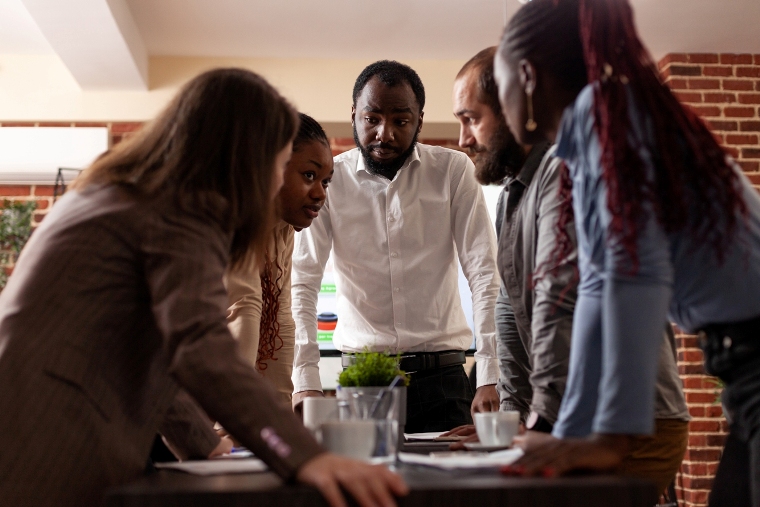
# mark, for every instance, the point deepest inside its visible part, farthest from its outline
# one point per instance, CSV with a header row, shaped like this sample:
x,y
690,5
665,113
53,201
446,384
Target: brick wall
x,y
723,89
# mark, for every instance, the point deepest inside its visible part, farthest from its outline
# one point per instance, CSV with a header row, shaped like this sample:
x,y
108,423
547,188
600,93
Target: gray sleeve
x,y
554,301
514,372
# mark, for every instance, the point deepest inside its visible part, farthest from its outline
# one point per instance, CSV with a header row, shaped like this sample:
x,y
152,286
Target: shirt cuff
x,y
307,379
487,371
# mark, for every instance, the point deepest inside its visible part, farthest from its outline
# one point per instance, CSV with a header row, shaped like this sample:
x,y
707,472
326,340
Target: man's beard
x,y
503,157
387,168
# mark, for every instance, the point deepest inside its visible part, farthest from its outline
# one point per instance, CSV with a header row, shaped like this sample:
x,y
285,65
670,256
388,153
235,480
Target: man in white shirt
x,y
397,216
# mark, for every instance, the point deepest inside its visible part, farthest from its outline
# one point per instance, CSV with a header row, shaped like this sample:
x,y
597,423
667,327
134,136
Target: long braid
x,y
269,328
692,176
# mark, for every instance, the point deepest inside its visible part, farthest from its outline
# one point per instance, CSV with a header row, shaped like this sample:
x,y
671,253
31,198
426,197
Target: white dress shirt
x,y
395,245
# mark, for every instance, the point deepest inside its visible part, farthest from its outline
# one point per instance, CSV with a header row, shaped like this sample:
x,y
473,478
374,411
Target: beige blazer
x,y
244,313
115,304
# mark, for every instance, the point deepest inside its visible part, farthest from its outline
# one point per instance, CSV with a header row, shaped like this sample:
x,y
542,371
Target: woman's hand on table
x,y
548,456
224,447
369,485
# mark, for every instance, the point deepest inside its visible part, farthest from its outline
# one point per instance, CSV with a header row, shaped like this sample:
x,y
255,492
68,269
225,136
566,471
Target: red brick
x,y
18,124
672,58
734,59
702,455
757,85
715,410
703,58
54,124
696,411
708,111
701,397
749,166
690,356
741,139
43,203
44,190
688,342
749,98
704,84
757,59
116,139
39,216
748,72
716,440
749,126
718,138
682,70
717,71
703,426
90,124
695,497
720,98
678,84
694,469
736,84
731,151
688,97
750,153
690,369
15,190
726,126
697,483
125,127
697,441
692,383
739,112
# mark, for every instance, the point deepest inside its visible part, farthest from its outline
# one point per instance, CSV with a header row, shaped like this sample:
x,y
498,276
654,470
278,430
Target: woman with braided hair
x,y
667,226
259,315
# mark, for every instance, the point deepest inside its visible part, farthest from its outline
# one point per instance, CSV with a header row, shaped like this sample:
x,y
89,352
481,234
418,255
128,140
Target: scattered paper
x,y
217,466
453,461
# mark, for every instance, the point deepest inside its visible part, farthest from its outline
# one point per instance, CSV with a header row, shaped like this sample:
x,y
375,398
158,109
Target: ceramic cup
x,y
355,438
317,410
497,428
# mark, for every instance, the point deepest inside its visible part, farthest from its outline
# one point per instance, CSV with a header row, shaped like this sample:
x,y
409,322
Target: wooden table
x,y
429,488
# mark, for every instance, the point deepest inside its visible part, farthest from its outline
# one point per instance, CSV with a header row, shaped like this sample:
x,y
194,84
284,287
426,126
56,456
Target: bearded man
x,y
397,216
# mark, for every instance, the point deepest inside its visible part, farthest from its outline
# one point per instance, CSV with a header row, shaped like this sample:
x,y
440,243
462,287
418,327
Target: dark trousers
x,y
438,400
737,481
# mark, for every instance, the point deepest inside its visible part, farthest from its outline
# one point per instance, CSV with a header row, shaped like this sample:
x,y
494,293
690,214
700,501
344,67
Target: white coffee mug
x,y
317,410
497,428
354,438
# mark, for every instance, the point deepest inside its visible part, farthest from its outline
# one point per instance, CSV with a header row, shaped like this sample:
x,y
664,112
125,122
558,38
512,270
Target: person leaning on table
x,y
398,215
666,223
534,310
259,315
117,303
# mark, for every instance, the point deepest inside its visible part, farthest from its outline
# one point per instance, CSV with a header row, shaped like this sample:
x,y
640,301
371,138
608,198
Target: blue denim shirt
x,y
619,314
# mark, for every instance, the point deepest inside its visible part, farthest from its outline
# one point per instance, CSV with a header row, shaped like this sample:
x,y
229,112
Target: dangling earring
x,y
531,124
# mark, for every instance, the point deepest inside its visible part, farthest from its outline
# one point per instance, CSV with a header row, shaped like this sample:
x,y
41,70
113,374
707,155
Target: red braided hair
x,y
269,328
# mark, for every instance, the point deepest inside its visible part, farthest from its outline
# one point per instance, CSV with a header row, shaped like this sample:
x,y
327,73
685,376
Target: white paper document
x,y
217,466
453,461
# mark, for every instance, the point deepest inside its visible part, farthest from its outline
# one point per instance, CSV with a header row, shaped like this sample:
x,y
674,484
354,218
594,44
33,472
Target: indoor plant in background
x,y
363,390
15,229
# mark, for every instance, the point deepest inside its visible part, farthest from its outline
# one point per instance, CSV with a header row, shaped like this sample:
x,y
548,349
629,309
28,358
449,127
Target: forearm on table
x,y
187,429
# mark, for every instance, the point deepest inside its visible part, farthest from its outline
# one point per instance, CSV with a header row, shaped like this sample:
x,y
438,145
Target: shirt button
x,y
391,219
396,289
394,255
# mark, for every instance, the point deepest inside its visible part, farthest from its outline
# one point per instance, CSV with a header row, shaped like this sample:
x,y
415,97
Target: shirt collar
x,y
532,162
414,158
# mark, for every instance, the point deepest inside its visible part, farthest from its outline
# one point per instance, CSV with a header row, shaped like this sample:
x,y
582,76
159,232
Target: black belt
x,y
419,361
729,347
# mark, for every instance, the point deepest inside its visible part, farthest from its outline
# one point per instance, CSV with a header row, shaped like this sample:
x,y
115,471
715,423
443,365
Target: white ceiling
x,y
400,29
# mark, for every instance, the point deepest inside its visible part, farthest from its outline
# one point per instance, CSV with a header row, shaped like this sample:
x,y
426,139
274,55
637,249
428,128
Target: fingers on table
x,y
372,486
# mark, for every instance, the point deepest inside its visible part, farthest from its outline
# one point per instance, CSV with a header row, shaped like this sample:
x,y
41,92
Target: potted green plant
x,y
363,389
15,229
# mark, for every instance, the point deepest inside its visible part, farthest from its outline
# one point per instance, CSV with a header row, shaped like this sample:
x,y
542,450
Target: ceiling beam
x,y
97,40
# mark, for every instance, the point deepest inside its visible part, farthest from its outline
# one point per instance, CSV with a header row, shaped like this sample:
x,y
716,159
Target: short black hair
x,y
309,130
391,73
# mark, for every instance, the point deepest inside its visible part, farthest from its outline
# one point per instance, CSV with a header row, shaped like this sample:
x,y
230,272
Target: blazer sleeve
x,y
187,429
185,259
